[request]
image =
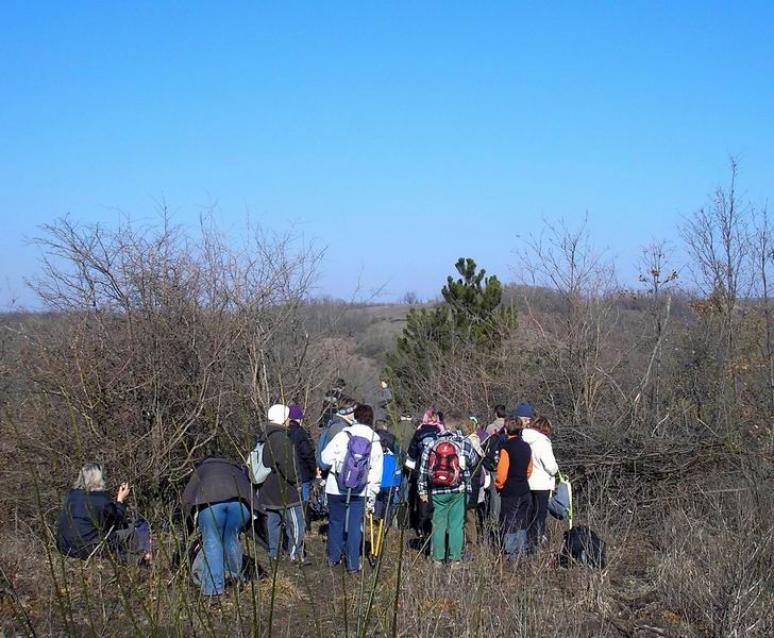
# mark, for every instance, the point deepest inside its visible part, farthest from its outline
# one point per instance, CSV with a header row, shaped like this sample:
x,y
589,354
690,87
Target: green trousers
x,y
448,516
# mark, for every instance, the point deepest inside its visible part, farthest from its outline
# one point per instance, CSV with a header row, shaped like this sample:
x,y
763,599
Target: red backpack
x,y
444,464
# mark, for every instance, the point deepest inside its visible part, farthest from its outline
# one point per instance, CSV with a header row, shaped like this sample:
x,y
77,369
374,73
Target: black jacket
x,y
85,519
307,464
389,441
217,480
423,432
516,462
280,490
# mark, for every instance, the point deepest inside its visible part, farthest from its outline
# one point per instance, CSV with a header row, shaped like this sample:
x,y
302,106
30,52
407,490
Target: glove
x,y
371,503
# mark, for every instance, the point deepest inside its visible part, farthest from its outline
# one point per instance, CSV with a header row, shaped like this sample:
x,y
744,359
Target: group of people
x,y
468,484
455,482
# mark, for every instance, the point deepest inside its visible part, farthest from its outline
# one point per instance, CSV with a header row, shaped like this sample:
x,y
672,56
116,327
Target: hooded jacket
x,y
544,466
280,489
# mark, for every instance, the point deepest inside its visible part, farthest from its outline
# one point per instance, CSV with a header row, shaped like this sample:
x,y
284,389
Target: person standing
x,y
220,495
280,494
542,481
491,445
444,481
332,403
525,413
420,512
354,457
479,477
498,425
343,417
512,481
307,464
382,407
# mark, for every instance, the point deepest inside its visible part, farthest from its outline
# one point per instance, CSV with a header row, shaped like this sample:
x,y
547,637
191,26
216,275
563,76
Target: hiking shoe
x,y
333,563
456,565
302,562
437,563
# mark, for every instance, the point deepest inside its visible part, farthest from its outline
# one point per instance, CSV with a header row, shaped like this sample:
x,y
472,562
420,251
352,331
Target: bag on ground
x,y
560,503
353,474
444,467
582,546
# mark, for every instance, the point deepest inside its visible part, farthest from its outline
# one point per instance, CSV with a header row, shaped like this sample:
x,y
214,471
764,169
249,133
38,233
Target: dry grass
x,y
696,571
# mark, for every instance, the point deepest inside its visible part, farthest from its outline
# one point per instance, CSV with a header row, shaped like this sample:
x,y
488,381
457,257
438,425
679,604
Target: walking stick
x,y
379,537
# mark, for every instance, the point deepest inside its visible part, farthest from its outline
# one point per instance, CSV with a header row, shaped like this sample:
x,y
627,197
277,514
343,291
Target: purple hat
x,y
296,412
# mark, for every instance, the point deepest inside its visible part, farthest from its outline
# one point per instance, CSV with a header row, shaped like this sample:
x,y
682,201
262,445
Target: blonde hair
x,y
90,478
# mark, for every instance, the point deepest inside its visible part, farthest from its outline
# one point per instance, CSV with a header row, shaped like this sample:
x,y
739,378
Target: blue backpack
x,y
391,473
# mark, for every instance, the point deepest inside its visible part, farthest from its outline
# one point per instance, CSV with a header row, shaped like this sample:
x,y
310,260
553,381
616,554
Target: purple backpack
x,y
354,471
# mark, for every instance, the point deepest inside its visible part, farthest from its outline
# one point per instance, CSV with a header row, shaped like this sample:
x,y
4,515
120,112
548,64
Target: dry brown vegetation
x,y
160,347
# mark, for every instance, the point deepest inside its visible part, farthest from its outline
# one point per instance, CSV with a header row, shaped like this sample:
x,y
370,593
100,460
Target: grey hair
x,y
90,478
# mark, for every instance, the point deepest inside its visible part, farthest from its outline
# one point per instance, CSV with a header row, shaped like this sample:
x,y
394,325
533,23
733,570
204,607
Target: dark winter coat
x,y
382,405
389,441
307,464
217,480
514,468
85,519
280,490
423,432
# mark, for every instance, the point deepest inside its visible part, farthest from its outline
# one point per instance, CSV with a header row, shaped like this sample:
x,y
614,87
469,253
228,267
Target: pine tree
x,y
471,318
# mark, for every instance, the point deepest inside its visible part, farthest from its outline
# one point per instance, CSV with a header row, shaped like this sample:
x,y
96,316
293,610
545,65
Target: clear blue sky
x,y
399,135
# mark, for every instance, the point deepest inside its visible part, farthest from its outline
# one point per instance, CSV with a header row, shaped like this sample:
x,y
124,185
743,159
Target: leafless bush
x,y
163,344
577,364
716,567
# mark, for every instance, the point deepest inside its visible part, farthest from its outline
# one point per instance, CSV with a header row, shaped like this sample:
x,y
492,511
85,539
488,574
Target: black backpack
x,y
583,546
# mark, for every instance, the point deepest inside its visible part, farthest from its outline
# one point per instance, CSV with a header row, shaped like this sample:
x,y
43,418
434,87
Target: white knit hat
x,y
278,413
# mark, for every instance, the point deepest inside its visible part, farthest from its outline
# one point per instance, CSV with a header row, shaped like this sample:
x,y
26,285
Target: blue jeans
x,y
221,550
515,514
339,516
515,544
306,490
293,518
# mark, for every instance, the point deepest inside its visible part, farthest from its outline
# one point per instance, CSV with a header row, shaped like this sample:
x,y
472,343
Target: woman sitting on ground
x,y
91,521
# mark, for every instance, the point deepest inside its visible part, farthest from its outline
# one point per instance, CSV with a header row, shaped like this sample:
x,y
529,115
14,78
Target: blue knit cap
x,y
524,409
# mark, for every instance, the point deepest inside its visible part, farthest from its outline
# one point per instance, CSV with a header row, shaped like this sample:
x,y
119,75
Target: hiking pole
x,y
379,537
346,514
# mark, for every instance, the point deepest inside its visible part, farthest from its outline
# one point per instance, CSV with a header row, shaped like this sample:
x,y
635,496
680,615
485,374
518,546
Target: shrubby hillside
x,y
158,348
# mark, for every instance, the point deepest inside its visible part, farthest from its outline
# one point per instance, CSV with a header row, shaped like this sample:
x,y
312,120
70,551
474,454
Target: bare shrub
x,y
716,567
163,346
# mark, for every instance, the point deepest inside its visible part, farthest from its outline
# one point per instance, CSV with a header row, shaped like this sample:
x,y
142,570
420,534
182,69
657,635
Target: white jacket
x,y
336,450
544,466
